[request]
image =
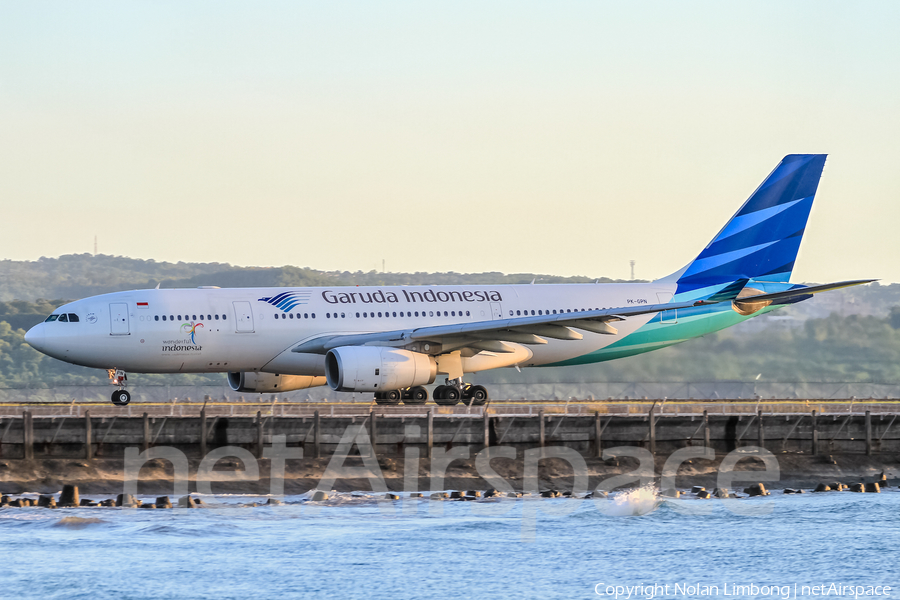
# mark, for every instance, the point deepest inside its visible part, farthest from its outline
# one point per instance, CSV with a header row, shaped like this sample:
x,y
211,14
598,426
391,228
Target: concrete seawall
x,y
63,431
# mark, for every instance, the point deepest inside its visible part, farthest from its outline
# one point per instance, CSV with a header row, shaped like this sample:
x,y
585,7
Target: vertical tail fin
x,y
762,239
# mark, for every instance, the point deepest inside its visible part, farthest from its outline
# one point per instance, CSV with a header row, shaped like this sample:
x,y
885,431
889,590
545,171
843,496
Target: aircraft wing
x,y
489,335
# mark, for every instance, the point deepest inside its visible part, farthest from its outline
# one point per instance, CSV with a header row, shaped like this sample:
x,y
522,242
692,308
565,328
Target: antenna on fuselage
x,y
157,286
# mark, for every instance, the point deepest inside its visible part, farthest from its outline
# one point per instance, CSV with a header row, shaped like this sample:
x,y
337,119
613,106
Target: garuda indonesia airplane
x,y
393,341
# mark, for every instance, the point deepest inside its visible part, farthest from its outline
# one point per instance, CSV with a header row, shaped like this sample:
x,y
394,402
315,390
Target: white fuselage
x,y
254,329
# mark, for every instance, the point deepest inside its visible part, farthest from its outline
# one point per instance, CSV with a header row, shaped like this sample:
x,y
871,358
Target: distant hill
x,y
80,275
846,335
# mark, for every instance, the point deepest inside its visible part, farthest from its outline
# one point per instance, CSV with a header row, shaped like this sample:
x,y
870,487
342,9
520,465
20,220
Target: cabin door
x,y
243,317
118,318
496,311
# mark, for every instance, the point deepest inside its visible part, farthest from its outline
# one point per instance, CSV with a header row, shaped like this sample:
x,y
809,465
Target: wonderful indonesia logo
x,y
188,344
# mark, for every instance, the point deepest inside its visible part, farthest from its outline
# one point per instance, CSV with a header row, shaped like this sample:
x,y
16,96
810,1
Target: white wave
x,y
633,503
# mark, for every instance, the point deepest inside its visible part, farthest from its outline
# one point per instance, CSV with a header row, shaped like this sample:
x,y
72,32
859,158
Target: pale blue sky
x,y
564,137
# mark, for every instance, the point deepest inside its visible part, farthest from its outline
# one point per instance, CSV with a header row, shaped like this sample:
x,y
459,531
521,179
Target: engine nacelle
x,y
250,381
376,369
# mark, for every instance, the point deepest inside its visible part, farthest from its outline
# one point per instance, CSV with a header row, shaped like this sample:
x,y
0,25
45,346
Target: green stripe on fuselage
x,y
692,323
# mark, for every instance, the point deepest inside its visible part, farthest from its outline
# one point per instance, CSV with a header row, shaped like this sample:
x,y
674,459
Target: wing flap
x,y
518,337
602,327
557,332
492,346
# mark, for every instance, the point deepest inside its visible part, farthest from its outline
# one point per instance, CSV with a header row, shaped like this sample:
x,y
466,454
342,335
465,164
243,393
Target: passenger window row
x,y
525,313
73,318
63,318
191,317
384,314
407,314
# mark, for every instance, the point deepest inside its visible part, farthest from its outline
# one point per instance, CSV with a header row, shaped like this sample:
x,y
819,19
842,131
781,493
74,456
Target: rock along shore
x,y
107,475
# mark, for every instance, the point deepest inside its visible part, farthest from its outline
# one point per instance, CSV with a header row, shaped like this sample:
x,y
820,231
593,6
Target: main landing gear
x,y
117,377
454,391
444,395
413,395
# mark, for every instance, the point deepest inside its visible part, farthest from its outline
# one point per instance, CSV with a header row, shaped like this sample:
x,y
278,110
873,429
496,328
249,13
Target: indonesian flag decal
x,y
143,305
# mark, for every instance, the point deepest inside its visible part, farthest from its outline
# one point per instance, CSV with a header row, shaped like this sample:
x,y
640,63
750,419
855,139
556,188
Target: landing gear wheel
x,y
389,398
478,394
416,395
121,397
445,395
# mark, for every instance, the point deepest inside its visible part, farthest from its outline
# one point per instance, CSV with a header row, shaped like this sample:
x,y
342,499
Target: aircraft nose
x,y
35,337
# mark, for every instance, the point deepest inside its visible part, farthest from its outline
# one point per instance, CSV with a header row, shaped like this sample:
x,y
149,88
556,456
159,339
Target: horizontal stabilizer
x,y
779,297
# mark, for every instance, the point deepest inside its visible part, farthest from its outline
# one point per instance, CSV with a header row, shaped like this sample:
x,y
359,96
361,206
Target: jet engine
x,y
269,382
376,369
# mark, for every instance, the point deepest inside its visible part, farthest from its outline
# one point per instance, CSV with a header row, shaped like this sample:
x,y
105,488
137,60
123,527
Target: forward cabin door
x,y
118,318
243,317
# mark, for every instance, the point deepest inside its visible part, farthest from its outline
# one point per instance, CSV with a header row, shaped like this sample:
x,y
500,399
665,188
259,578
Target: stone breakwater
x,y
69,497
453,470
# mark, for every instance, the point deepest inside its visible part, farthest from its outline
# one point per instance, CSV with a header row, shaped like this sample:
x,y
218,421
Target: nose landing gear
x,y
117,377
121,397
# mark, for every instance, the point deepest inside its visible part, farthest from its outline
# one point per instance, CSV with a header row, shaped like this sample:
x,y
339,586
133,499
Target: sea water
x,y
635,545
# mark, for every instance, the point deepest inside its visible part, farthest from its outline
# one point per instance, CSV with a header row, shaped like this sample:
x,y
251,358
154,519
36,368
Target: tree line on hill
x,y
848,335
82,275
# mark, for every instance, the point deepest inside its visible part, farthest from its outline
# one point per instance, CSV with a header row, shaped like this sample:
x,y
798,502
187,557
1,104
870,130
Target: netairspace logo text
x,y
785,592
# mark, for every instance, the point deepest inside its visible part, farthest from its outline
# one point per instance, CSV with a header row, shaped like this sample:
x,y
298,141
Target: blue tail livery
x,y
761,240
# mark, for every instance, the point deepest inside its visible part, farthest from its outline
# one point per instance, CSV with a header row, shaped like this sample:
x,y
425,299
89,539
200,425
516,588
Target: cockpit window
x,y
73,318
51,318
63,319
